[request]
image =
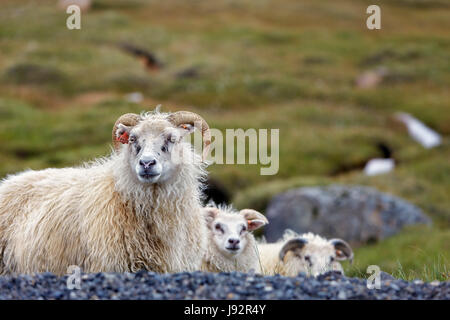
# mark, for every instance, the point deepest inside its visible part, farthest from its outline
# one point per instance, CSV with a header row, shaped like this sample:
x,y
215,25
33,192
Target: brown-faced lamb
x,y
231,244
135,209
308,253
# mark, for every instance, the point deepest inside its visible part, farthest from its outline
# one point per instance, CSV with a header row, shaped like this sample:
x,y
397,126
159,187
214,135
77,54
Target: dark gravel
x,y
198,285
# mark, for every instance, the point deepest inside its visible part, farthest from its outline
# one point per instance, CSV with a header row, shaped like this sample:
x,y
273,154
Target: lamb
x,y
308,253
135,209
231,245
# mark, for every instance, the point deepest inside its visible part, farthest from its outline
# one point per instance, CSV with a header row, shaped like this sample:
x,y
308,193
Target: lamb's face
x,y
230,230
311,259
230,233
151,149
314,257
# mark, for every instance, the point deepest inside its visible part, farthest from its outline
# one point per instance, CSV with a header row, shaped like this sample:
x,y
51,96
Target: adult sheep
x,y
136,209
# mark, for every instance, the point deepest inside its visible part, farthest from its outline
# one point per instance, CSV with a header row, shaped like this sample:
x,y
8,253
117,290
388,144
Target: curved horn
x,y
186,117
296,243
127,119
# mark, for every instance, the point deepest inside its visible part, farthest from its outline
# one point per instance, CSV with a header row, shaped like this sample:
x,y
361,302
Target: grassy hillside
x,y
284,64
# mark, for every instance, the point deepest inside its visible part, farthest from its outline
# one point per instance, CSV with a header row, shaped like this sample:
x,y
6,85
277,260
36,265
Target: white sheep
x,y
308,253
231,244
136,209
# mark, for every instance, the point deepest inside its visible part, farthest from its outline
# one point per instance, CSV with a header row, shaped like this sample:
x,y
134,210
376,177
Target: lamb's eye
x,y
164,148
331,259
218,227
132,139
138,149
308,259
244,228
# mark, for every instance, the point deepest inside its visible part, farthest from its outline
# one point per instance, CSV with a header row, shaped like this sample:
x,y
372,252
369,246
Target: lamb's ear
x,y
343,250
210,214
293,244
122,133
255,219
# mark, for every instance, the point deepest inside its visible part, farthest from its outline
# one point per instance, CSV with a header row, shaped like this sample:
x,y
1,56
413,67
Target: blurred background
x,y
310,68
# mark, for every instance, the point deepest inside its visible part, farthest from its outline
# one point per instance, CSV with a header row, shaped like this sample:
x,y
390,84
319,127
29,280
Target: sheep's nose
x,y
147,163
233,241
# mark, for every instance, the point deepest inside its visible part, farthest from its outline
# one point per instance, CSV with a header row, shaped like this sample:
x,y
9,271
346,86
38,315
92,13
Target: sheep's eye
x,y
218,227
132,139
138,149
164,148
170,138
308,258
244,228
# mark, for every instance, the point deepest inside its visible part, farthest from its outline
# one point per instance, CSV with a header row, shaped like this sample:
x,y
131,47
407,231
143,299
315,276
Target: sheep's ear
x,y
210,214
291,245
123,133
255,219
343,250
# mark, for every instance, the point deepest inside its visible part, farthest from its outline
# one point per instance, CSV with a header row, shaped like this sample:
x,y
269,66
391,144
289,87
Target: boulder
x,y
356,214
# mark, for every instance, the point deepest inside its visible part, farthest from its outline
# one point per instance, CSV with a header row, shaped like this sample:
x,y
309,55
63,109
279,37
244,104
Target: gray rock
x,y
356,214
384,276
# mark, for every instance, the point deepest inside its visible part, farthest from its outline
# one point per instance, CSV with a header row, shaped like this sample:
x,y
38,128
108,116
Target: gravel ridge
x,y
201,285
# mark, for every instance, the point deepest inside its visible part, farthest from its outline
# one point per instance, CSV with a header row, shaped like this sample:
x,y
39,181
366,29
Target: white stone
x,y
427,137
135,97
379,166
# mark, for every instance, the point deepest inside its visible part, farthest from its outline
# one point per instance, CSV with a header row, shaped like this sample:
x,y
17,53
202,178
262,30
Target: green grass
x,y
261,64
407,256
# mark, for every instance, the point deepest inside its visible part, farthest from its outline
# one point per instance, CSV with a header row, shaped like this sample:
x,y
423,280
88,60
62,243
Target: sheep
x,y
308,253
231,245
135,209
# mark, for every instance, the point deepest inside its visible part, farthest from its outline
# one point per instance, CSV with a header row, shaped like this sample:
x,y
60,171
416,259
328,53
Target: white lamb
x,y
231,245
136,209
308,253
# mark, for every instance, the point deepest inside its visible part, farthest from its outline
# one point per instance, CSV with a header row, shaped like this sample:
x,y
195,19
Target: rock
x,y
371,79
356,214
342,295
384,276
135,97
381,76
379,166
424,135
